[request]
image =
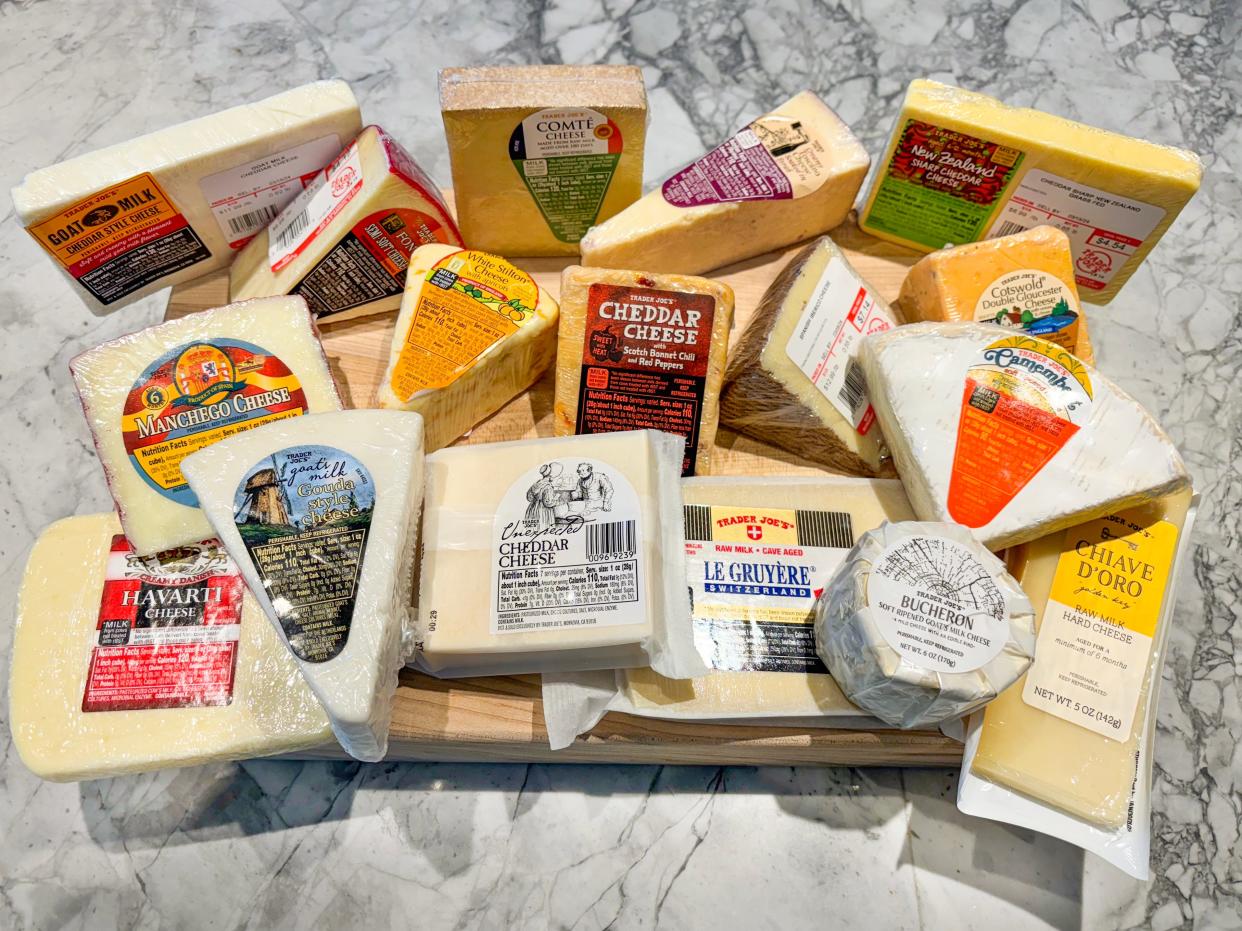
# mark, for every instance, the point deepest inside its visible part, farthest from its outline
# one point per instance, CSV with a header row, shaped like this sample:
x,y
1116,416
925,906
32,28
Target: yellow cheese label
x,y
1034,301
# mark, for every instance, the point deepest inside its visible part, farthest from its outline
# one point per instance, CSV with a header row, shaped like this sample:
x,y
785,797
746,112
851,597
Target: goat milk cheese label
x,y
168,630
308,214
196,395
1034,301
567,549
304,514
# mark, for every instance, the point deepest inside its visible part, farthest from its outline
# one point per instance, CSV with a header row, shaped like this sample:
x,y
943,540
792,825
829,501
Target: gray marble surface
x,y
271,844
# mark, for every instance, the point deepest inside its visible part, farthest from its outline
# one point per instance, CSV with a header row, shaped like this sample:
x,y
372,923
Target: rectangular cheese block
x,y
127,220
154,397
321,513
793,378
638,351
962,166
541,153
474,332
791,174
126,664
345,242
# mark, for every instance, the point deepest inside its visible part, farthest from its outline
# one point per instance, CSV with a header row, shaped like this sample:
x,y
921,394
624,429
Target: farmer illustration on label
x,y
594,490
545,498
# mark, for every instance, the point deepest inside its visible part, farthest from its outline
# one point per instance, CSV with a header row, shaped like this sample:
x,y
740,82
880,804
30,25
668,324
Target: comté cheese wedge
x,y
1010,435
789,175
962,166
127,220
540,153
474,332
345,242
321,513
126,664
793,378
641,351
153,397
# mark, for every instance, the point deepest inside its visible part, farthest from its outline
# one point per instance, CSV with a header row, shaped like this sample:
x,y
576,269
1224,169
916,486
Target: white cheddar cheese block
x,y
789,175
555,554
344,244
793,378
473,333
132,218
126,664
921,624
1010,435
154,397
321,513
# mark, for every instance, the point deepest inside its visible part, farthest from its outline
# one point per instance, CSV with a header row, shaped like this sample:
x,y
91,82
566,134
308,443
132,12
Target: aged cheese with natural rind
x,y
127,220
789,175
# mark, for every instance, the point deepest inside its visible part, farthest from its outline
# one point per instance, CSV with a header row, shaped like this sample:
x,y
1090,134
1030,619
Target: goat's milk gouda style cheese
x,y
541,153
154,397
640,351
1010,435
132,218
125,663
793,378
962,166
474,332
788,175
345,242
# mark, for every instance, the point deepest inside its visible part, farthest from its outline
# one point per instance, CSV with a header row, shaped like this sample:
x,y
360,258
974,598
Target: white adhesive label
x,y
312,210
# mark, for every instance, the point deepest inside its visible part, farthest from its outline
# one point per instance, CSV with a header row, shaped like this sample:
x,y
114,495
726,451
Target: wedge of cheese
x,y
788,175
321,513
474,332
154,397
344,244
793,378
1010,435
126,663
641,351
127,220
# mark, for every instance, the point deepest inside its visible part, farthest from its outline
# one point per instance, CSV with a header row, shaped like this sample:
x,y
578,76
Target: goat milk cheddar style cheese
x,y
474,332
642,351
541,153
962,166
788,175
793,378
125,663
344,244
132,218
1010,435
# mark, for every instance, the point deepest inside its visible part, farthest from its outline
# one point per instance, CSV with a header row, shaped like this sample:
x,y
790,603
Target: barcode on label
x,y
1008,229
612,539
254,220
291,231
853,392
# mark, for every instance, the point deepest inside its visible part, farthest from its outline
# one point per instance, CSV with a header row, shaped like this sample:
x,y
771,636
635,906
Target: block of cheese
x,y
787,176
540,153
555,554
124,663
345,242
641,351
1010,435
153,397
1024,281
962,166
321,513
132,218
921,624
793,378
473,333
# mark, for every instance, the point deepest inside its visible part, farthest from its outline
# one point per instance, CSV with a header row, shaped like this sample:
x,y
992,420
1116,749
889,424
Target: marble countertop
x,y
274,844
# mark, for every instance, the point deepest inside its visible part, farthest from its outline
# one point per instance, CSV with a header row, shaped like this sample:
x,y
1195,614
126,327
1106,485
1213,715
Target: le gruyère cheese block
x,y
540,153
321,513
1010,435
153,397
793,378
962,166
126,663
127,220
641,351
787,176
473,333
345,242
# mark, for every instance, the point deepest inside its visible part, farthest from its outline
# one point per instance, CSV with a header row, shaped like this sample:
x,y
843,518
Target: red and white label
x,y
310,213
